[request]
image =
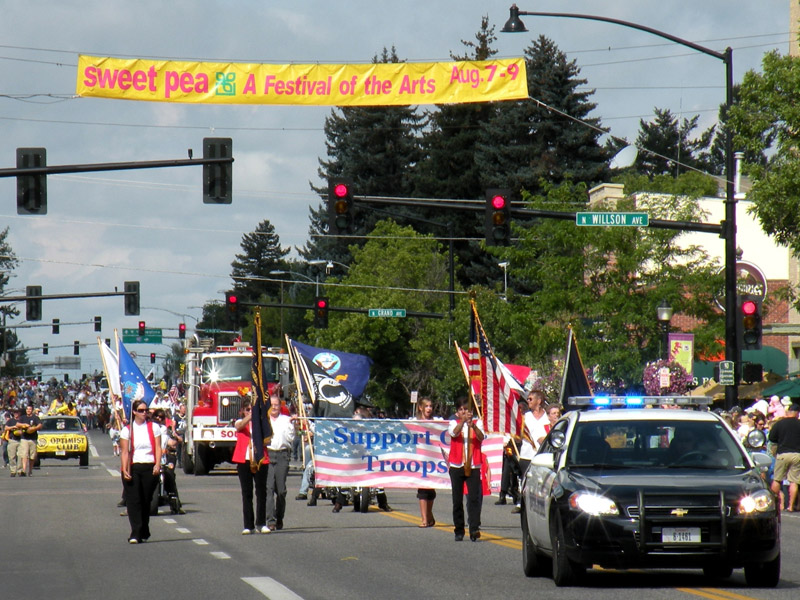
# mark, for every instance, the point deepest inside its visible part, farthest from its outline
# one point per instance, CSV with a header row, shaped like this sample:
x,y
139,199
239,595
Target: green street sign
x,y
612,219
151,336
387,312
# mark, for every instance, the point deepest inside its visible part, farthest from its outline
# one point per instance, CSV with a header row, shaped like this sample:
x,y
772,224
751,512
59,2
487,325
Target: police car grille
x,y
678,506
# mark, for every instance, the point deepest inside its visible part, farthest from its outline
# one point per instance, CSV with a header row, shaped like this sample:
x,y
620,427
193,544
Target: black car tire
x,y
565,571
763,575
200,459
187,461
531,559
364,500
84,459
719,571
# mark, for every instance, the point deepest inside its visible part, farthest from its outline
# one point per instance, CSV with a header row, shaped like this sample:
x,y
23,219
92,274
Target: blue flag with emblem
x,y
348,369
132,383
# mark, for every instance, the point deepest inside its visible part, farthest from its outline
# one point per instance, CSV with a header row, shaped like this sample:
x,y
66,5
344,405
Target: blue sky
x,y
106,228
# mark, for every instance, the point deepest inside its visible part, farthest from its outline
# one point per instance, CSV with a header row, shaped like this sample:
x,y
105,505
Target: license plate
x,y
61,452
680,535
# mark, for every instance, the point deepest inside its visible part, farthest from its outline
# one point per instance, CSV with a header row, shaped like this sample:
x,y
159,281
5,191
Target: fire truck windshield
x,y
237,368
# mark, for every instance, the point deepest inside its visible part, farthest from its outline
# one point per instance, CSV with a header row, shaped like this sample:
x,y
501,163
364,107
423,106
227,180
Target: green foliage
x,y
667,146
261,253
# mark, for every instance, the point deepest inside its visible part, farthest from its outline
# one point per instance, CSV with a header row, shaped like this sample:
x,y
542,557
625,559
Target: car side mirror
x,y
545,459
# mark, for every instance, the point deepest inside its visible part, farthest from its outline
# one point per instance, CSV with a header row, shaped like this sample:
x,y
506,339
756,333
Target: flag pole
x,y
469,382
300,404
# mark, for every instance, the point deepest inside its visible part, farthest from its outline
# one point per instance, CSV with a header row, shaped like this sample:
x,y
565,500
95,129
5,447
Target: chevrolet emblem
x,y
679,512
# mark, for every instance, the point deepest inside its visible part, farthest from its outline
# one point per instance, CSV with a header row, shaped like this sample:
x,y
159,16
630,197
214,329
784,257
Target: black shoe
x,y
474,537
459,537
278,524
312,502
121,503
301,497
337,507
501,502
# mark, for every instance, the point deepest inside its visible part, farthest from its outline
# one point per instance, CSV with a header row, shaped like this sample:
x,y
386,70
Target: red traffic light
x,y
749,307
322,303
141,327
232,299
341,190
499,202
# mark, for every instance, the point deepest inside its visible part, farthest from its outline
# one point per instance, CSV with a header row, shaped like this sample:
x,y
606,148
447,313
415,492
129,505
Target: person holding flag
x,y
252,474
465,461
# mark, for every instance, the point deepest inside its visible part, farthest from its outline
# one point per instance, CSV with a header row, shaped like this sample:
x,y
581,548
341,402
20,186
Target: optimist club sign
x,y
750,280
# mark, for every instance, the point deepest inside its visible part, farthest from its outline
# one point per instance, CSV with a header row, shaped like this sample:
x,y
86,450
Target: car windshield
x,y
60,425
654,444
237,368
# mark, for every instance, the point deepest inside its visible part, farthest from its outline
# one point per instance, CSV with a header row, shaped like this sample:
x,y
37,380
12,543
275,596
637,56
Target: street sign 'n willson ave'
x,y
612,219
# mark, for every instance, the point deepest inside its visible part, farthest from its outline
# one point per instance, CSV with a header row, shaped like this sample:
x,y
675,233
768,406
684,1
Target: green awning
x,y
787,387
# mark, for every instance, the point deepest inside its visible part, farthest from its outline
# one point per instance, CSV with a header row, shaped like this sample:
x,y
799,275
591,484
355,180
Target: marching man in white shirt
x,y
280,450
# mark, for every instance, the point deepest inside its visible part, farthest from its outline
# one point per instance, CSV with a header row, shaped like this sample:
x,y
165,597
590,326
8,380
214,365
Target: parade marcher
x,y
426,496
27,444
465,460
141,443
13,431
535,425
252,477
279,450
785,435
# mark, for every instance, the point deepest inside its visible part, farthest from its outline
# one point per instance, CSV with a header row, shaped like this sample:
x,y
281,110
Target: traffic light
x,y
497,221
33,306
340,206
752,372
45,348
320,312
152,358
98,324
751,322
56,327
31,189
141,328
76,347
181,331
232,304
217,177
131,298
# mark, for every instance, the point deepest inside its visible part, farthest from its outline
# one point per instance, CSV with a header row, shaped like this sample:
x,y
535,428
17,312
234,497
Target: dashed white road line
x,y
220,555
183,530
271,588
200,542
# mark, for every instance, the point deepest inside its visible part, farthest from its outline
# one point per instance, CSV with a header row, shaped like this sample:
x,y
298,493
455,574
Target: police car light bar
x,y
636,401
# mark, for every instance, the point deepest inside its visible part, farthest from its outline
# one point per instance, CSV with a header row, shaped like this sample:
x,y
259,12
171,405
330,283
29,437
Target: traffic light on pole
x,y
141,328
497,221
232,304
98,324
56,326
181,331
751,322
321,312
340,206
152,358
31,189
45,348
76,348
217,177
131,298
33,306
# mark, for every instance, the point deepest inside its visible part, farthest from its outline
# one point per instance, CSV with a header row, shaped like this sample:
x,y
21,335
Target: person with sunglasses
x,y
141,443
252,477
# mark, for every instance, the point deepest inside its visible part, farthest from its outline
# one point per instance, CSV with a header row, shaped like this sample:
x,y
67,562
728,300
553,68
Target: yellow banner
x,y
385,84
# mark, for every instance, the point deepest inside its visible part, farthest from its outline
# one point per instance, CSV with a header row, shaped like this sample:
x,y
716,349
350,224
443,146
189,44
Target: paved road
x,y
62,537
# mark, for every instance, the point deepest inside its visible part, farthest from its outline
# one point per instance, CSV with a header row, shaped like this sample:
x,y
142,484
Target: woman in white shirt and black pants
x,y
141,444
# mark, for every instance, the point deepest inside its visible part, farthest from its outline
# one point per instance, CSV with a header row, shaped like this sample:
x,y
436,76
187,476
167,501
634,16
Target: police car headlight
x,y
593,504
760,501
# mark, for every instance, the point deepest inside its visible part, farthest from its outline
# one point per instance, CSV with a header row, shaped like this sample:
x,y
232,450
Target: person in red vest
x,y
465,460
252,477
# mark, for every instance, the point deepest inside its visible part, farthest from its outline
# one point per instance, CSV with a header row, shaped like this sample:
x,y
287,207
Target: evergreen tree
x,y
376,147
549,137
261,253
666,147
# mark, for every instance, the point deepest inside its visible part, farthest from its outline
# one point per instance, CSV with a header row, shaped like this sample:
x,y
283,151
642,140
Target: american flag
x,y
173,393
499,390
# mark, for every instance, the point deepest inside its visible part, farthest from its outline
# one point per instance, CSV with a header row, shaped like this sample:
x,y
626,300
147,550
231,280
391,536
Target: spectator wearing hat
x,y
785,436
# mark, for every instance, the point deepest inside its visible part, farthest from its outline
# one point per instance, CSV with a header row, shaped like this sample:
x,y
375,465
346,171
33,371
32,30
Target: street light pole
x,y
732,351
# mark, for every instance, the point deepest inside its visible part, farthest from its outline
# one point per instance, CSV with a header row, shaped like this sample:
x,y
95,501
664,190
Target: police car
x,y
623,483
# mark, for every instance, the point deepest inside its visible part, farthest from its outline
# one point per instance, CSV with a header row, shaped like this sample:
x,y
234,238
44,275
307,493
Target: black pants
x,y
138,492
509,484
474,499
250,482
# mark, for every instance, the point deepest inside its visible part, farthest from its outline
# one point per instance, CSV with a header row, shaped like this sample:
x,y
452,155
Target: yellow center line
x,y
727,594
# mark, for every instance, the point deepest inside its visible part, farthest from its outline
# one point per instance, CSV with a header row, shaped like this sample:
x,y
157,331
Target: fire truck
x,y
217,381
